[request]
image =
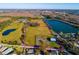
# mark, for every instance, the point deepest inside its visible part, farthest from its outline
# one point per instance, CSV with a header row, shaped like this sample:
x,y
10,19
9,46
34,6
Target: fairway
x,y
41,30
13,36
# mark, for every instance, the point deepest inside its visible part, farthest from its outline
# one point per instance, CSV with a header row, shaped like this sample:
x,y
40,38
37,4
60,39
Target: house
x,y
23,20
3,49
52,51
6,52
53,39
30,51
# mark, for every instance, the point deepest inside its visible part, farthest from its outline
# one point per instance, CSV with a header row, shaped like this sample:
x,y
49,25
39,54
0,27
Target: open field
x,y
17,14
2,19
40,30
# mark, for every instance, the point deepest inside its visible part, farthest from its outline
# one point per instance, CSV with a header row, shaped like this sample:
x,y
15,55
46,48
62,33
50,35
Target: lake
x,y
60,26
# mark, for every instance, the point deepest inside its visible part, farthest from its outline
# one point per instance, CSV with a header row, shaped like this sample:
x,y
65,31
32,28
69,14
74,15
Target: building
x,y
6,52
53,51
30,51
3,49
22,20
53,39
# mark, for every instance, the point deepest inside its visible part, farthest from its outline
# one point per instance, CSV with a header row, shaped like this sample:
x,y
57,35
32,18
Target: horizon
x,y
73,6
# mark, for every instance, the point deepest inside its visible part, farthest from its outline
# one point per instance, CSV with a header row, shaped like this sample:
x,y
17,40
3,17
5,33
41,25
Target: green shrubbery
x,y
3,24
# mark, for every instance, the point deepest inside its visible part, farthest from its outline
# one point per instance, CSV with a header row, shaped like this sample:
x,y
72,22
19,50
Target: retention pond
x,y
8,31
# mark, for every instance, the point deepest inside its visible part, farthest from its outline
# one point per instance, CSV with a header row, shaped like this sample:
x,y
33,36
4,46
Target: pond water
x,y
8,31
60,26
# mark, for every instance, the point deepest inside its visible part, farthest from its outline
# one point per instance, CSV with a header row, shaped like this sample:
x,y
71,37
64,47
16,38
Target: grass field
x,y
32,32
54,44
13,36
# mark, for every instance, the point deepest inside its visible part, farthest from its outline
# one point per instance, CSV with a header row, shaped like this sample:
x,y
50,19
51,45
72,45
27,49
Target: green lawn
x,y
41,30
13,36
54,44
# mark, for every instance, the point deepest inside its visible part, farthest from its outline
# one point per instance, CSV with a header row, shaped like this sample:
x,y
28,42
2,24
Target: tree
x,y
47,16
15,42
1,41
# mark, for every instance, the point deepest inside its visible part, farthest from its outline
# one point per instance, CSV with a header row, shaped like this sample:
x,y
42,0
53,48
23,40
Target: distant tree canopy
x,y
47,16
18,17
21,17
4,16
2,25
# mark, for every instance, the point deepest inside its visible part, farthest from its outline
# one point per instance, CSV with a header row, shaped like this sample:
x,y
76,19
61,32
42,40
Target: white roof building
x,y
3,49
7,51
53,39
30,51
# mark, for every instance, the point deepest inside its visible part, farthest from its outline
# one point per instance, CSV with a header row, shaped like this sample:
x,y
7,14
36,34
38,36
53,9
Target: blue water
x,y
8,32
59,26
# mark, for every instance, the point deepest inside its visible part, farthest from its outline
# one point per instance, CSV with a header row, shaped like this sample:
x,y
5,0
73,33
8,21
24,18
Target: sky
x,y
39,5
